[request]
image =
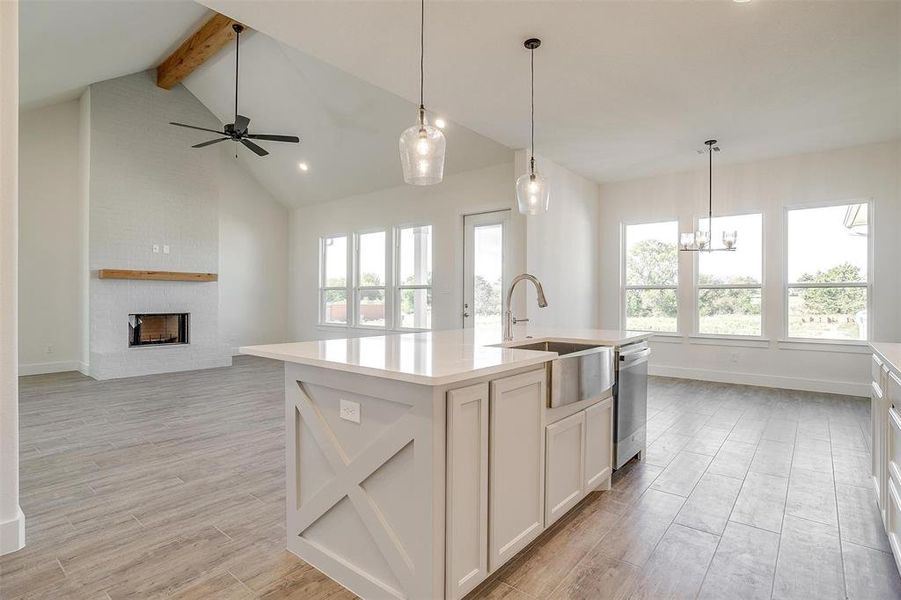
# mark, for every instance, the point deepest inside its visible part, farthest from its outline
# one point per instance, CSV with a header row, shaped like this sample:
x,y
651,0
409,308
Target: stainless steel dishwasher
x,y
630,402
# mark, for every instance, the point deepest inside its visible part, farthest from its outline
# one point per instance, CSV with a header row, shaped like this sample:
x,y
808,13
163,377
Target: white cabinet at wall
x,y
599,445
467,489
565,465
886,448
892,504
878,429
515,464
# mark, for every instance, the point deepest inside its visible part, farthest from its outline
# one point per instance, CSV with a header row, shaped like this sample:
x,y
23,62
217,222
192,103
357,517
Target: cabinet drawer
x,y
892,390
893,522
876,370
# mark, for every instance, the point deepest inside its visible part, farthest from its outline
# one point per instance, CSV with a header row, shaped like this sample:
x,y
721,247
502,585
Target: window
x,y
651,276
358,287
827,270
414,277
730,283
333,280
370,284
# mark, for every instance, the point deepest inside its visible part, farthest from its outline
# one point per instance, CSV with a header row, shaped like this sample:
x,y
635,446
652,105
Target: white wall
x,y
50,316
12,521
253,259
249,229
863,172
442,206
84,216
562,247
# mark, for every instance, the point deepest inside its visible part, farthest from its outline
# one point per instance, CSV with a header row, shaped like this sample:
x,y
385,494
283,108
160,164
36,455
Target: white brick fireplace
x,y
153,205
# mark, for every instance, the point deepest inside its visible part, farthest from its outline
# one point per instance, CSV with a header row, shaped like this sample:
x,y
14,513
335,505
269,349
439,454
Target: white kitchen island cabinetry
x,y
565,465
415,463
515,464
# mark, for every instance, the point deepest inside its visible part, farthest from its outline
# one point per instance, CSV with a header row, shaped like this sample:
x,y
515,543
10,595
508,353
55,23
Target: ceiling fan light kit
x,y
237,131
422,145
532,191
699,241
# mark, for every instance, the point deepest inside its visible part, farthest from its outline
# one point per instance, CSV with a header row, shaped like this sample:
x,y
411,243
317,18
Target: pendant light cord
x,y
532,113
710,190
421,59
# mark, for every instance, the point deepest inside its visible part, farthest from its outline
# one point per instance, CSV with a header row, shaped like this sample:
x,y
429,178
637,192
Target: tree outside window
x,y
828,272
651,276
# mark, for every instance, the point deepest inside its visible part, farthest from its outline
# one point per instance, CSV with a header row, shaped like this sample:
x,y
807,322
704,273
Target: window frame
x,y
399,287
625,287
385,287
323,289
697,287
353,290
787,285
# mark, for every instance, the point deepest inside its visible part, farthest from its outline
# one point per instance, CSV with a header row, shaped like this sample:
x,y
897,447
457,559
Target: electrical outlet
x,y
49,349
156,248
349,411
165,248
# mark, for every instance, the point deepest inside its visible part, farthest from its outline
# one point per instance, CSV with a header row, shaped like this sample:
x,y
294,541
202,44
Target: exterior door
x,y
485,276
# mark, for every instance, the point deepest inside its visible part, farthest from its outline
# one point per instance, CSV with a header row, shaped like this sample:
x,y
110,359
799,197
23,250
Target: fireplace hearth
x,y
161,329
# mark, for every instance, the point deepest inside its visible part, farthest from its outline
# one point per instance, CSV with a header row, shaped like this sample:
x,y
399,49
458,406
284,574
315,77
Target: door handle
x,y
465,315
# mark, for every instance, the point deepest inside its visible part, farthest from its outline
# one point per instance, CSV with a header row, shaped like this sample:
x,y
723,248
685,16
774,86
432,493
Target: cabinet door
x,y
467,489
893,521
515,464
565,478
598,445
878,424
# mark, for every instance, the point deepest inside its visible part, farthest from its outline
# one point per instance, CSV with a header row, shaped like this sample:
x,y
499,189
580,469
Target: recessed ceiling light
x,y
741,1
303,166
440,123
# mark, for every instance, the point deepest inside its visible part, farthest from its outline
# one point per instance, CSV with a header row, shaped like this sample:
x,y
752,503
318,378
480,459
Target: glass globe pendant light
x,y
422,145
532,193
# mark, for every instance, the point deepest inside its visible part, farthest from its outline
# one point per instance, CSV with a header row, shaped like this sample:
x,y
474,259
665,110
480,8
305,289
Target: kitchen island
x,y
418,464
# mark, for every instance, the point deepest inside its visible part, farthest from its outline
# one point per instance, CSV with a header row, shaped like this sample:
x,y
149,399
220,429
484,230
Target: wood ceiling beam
x,y
196,50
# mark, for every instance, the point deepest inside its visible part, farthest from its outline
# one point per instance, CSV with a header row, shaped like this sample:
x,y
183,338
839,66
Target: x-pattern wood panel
x,y
348,479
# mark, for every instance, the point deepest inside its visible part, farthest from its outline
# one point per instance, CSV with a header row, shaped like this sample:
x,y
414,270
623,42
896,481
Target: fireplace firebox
x,y
160,329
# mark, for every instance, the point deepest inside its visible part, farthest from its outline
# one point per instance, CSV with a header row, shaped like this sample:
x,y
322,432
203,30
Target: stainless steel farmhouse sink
x,y
582,371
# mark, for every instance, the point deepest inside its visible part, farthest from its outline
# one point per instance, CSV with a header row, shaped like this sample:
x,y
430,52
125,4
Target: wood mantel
x,y
156,275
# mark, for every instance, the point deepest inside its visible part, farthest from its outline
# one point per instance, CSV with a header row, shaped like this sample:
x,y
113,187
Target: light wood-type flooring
x,y
172,486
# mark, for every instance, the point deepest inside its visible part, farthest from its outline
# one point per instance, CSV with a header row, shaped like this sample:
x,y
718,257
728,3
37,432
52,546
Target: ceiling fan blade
x,y
241,123
259,151
274,138
202,144
193,127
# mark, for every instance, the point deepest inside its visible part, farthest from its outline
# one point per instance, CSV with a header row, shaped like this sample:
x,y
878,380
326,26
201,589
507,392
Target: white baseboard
x,y
50,367
12,534
848,388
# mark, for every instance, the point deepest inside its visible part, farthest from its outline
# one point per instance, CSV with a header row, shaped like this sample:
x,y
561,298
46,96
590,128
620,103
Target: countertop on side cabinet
x,y
890,352
436,357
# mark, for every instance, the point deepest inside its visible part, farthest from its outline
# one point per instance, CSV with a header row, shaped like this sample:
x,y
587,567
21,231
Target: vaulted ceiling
x,y
624,89
349,128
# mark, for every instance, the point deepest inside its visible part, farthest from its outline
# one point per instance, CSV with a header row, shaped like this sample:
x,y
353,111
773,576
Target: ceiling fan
x,y
237,131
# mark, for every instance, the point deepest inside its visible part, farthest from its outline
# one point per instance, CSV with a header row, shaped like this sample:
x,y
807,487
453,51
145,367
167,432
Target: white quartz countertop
x,y
890,352
436,357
